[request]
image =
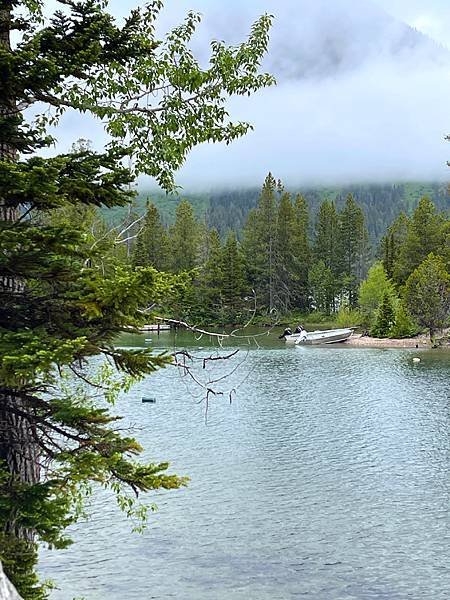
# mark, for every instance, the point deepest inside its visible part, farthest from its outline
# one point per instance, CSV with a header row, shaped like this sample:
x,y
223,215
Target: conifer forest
x,y
90,259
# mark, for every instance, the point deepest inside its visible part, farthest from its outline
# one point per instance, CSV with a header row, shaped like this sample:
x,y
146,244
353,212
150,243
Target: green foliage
x,y
392,243
372,291
300,249
427,293
354,248
19,559
260,245
348,317
233,280
65,292
424,235
404,326
152,244
322,285
184,239
385,317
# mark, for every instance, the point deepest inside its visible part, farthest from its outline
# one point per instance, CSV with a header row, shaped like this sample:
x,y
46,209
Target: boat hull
x,y
312,338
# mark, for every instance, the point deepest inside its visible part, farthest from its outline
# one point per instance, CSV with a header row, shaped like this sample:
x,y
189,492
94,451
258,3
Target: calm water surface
x,y
326,478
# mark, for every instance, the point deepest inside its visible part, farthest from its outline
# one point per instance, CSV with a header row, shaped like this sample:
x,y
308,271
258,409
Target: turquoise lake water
x,y
325,478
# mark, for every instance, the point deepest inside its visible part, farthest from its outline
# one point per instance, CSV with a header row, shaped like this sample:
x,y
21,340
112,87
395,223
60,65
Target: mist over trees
x,y
291,262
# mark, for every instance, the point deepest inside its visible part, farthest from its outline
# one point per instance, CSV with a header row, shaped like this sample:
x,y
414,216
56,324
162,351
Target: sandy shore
x,y
421,341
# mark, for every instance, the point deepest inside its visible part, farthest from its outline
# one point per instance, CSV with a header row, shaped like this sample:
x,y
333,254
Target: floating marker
x,y
416,359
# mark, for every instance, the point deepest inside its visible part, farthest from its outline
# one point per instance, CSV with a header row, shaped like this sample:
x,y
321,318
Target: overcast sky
x,y
379,117
430,16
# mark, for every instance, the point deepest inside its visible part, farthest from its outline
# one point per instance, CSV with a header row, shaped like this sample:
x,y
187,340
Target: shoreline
x,y
419,342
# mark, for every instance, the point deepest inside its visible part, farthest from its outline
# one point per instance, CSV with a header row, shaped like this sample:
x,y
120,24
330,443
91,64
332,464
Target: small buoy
x,y
416,359
150,400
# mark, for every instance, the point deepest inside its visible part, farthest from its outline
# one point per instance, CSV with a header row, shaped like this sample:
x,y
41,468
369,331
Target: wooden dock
x,y
155,327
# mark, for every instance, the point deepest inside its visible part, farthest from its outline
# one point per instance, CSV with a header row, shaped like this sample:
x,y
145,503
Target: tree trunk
x,y
18,449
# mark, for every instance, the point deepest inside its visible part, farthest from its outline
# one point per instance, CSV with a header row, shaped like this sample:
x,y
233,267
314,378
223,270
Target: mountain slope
x,y
228,209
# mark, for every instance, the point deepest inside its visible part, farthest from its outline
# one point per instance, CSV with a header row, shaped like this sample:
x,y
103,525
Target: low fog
x,y
361,97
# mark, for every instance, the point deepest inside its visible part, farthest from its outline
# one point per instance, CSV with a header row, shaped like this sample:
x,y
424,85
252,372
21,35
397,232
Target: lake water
x,y
325,478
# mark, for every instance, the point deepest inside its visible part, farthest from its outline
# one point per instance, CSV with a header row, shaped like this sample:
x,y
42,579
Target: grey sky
x,y
380,115
430,16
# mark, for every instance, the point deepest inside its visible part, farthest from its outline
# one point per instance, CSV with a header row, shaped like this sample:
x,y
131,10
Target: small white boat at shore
x,y
310,338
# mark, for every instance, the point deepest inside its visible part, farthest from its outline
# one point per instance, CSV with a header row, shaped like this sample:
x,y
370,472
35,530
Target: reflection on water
x,y
325,478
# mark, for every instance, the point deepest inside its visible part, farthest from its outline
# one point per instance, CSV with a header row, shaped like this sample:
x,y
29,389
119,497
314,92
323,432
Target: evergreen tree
x,y
424,235
233,280
385,317
372,290
322,285
284,271
353,248
427,293
327,249
260,245
56,311
209,283
301,253
151,247
392,243
184,238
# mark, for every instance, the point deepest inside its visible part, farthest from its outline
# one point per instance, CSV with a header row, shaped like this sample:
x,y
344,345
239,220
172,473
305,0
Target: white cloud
x,y
363,111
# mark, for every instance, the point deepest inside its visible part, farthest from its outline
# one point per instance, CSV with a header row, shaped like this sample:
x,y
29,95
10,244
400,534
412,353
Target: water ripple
x,y
326,479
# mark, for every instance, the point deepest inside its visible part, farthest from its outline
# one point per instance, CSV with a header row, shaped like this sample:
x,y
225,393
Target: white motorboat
x,y
327,336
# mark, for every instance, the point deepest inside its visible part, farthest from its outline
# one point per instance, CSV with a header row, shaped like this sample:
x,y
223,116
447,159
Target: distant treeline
x,y
227,210
285,261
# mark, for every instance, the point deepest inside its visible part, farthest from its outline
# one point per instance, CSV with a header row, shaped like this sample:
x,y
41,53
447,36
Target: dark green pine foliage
x,y
392,243
152,244
284,271
260,246
58,306
427,294
301,254
209,303
233,280
425,235
327,250
321,284
385,318
353,249
184,239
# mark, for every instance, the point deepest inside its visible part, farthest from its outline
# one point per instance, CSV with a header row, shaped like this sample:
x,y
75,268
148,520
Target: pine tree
x,y
260,245
322,285
209,307
392,243
424,235
353,248
184,239
56,311
233,280
284,257
427,293
151,247
327,249
301,253
385,317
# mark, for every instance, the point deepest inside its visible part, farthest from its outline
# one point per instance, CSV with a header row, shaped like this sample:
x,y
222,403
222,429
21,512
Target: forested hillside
x,y
285,263
227,210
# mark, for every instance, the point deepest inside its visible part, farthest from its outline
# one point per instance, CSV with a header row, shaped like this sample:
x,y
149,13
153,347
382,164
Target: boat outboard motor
x,y
287,331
